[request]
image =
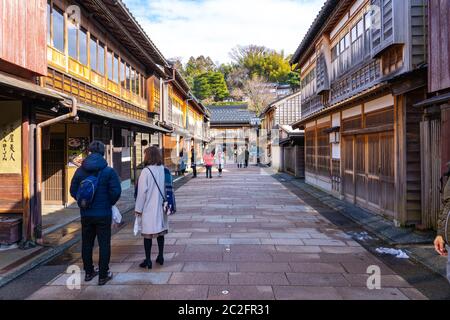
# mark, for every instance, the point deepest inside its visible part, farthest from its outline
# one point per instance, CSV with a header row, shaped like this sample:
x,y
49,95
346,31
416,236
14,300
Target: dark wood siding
x,y
23,35
11,193
439,45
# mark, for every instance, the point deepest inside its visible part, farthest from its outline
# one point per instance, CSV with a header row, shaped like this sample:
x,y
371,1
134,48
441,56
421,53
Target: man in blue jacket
x,y
97,219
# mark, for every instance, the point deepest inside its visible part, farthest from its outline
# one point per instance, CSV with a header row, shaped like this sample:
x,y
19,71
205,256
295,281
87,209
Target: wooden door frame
x,y
64,173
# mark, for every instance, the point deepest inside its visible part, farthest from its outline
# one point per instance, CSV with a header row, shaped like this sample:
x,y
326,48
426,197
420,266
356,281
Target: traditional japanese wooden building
x,y
187,119
363,69
276,120
233,129
73,72
435,125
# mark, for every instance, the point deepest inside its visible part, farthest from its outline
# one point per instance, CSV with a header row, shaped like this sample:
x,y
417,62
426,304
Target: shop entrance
x,y
369,177
53,164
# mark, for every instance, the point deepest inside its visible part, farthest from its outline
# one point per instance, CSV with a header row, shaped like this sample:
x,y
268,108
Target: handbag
x,y
166,208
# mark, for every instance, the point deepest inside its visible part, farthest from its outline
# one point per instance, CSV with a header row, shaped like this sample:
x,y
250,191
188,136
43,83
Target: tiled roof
x,y
231,114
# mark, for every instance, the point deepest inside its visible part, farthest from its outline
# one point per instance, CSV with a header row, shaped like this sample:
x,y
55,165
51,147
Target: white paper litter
x,y
400,254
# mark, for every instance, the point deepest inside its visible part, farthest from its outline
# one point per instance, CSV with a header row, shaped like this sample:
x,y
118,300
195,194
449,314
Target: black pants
x,y
220,168
246,163
194,171
100,228
208,171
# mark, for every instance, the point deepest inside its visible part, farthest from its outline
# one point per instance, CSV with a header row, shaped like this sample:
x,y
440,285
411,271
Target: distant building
x,y
278,139
234,127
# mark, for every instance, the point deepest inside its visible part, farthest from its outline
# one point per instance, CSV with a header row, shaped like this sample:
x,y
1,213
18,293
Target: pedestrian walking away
x,y
103,184
149,205
182,163
208,159
247,156
443,236
193,162
220,160
240,158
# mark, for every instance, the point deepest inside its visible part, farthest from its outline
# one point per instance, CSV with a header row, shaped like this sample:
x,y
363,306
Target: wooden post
x,y
400,160
26,169
445,134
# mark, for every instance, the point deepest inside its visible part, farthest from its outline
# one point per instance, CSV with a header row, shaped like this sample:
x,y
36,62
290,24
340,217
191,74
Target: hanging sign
x,y
11,138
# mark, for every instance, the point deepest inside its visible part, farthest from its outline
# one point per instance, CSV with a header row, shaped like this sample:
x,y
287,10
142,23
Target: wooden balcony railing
x,y
92,96
76,69
311,105
356,82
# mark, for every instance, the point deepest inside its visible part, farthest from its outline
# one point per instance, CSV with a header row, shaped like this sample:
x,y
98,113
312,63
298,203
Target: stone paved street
x,y
244,236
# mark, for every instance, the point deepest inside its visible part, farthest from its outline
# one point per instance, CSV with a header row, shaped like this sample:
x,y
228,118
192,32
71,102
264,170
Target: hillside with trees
x,y
252,70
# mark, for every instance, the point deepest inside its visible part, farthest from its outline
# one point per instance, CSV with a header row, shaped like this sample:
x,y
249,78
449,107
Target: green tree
x,y
293,80
219,89
202,88
262,62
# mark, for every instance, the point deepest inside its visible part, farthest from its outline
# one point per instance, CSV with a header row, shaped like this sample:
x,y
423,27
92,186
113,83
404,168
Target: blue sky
x,y
184,28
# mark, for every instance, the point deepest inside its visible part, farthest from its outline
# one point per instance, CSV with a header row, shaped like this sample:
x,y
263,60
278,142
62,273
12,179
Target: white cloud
x,y
184,28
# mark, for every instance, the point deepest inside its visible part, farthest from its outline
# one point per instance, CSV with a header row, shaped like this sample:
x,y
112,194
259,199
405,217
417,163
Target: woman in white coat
x,y
220,160
149,205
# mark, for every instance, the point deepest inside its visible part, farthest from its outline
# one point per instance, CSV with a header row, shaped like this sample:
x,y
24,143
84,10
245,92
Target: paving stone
x,y
209,267
55,293
239,241
198,257
197,241
393,281
226,236
324,242
306,293
249,293
317,279
113,292
263,267
142,278
299,249
198,278
316,267
296,257
169,266
364,293
361,268
247,257
244,248
287,242
258,278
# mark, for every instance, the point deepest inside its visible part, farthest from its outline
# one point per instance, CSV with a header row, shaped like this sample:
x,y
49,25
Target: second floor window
x,y
110,64
93,53
116,69
55,25
101,58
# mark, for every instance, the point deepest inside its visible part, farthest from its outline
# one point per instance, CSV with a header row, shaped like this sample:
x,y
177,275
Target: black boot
x,y
160,258
148,251
147,264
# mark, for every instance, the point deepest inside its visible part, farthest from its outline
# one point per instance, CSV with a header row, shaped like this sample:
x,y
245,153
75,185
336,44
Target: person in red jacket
x,y
208,159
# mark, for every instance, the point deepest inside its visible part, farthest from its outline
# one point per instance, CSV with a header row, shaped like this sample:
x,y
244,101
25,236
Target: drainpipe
x,y
38,209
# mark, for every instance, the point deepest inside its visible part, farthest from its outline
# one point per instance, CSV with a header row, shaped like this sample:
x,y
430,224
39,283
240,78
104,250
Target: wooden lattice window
x,y
393,59
353,123
323,151
380,118
310,150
